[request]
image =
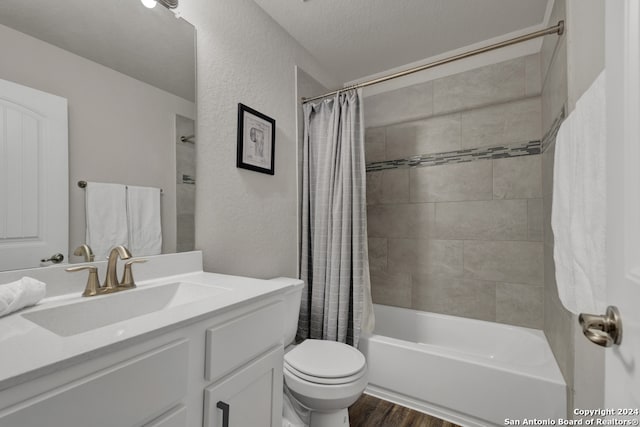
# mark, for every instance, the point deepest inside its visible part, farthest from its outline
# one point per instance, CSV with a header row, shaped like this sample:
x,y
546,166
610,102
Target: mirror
x,y
128,75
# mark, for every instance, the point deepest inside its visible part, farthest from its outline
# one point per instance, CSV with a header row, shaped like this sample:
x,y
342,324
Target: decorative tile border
x,y
461,156
550,136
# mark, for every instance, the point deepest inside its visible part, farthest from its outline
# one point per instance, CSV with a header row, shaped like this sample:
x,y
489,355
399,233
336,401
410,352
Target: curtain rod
x,y
556,29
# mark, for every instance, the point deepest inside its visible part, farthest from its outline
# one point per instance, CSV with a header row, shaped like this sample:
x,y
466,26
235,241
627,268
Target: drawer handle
x,y
225,412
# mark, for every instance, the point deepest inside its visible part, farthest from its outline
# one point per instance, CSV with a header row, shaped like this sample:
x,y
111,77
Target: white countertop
x,y
28,350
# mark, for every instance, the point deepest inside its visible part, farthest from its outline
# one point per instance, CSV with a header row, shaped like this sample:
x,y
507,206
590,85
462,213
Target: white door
x,y
34,179
622,375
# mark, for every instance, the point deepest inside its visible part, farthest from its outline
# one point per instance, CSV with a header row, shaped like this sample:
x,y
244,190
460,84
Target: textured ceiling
x,y
147,44
357,38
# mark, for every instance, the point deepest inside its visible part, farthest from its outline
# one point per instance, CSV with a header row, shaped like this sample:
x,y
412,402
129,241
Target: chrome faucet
x,y
111,279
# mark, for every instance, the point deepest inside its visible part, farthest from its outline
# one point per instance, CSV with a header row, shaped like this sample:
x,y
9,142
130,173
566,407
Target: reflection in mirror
x,y
127,75
186,180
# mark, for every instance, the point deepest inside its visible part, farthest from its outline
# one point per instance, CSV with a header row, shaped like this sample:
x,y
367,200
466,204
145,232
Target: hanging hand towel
x,y
143,217
20,294
106,208
579,204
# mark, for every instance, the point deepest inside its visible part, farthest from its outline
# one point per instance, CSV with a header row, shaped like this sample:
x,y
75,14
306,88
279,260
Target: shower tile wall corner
x,y
462,237
558,322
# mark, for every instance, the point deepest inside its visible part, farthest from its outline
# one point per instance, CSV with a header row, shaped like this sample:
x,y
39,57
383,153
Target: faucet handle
x,y
84,251
93,283
127,277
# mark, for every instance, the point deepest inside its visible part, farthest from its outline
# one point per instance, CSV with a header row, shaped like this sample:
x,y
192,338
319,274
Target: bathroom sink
x,y
96,312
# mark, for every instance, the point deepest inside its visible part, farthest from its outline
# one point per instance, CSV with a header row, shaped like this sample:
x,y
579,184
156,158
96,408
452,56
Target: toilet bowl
x,y
326,377
323,377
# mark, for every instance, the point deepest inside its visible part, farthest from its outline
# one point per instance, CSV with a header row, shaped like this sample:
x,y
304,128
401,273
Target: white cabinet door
x,y
34,181
251,396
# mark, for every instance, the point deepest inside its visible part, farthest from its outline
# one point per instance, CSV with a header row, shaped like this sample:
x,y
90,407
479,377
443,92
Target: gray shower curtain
x,y
336,302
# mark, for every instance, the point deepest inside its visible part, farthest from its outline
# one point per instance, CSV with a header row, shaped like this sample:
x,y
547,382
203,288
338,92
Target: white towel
x,y
106,210
143,218
579,204
21,293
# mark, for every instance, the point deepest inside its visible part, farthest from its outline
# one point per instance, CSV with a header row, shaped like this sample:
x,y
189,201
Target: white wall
x,y
246,222
585,45
120,129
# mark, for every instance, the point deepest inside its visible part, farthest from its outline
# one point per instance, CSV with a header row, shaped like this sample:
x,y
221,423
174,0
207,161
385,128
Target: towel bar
x,y
83,184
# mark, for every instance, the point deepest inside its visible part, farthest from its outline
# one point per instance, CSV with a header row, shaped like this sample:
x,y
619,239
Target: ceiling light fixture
x,y
149,3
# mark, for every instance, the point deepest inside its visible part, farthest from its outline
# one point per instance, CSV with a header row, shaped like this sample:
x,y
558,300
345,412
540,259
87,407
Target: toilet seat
x,y
320,397
325,362
324,380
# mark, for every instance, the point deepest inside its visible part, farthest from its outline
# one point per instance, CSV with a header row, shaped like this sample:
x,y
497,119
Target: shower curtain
x,y
336,301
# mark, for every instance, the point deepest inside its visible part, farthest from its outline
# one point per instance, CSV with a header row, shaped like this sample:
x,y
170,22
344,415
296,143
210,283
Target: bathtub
x,y
469,372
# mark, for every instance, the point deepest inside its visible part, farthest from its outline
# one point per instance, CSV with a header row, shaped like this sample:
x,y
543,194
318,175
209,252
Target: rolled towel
x,y
19,294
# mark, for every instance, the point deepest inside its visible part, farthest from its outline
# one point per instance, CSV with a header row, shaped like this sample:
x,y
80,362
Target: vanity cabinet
x,y
172,378
124,394
232,344
242,398
247,370
177,417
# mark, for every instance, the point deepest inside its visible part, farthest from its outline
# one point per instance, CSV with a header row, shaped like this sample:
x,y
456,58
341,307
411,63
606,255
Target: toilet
x,y
321,378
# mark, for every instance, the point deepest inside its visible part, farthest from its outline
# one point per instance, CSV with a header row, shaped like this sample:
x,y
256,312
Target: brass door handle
x,y
604,330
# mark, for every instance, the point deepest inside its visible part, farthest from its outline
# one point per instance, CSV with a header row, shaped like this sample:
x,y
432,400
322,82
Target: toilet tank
x,y
292,299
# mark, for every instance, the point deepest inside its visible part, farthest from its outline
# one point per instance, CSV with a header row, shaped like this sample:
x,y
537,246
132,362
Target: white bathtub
x,y
469,372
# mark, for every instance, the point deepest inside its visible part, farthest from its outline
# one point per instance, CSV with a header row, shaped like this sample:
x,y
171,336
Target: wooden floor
x,y
369,411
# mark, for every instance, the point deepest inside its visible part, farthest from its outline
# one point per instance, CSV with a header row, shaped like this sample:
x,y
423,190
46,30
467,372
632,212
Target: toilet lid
x,y
325,359
324,381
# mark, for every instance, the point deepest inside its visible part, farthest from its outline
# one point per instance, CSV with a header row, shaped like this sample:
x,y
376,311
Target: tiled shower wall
x,y
557,320
461,234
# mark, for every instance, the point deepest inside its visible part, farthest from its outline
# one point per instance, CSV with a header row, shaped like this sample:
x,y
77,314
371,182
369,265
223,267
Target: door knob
x,y
55,258
604,330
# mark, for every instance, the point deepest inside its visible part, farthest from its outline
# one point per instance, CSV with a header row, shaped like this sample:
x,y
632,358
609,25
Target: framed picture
x,y
256,140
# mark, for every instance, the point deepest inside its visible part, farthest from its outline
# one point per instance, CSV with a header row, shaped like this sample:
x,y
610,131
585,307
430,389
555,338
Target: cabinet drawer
x,y
176,417
125,394
234,343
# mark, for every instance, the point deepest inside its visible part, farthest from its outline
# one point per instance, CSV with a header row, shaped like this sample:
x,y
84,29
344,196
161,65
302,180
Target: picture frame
x,y
256,141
